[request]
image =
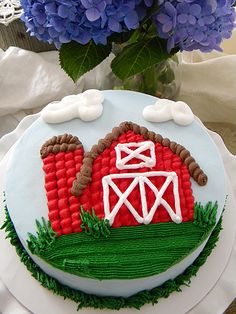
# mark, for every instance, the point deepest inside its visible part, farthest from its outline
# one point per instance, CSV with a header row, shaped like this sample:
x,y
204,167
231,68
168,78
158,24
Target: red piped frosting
x,y
60,172
62,167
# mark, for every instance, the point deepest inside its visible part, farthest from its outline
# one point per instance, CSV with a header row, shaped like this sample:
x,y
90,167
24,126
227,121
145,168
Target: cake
x,y
113,198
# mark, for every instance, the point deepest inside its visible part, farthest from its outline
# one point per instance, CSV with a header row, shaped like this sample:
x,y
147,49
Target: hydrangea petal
x,y
92,14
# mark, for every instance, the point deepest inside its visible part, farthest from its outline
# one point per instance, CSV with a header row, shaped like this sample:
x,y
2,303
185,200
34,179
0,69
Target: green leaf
x,y
138,57
120,38
77,59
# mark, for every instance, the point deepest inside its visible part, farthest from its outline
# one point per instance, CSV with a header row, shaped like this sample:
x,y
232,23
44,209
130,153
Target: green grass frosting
x,y
130,252
86,300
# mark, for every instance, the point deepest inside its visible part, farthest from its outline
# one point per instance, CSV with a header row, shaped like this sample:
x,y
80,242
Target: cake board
x,y
39,300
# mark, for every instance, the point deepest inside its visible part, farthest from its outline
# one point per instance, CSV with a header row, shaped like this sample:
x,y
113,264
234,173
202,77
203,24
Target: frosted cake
x,y
113,198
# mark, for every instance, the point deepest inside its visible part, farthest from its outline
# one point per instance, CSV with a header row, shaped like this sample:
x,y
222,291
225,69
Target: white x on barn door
x,y
141,179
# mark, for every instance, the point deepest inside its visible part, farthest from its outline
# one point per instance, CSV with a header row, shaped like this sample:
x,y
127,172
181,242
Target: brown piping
x,y
61,143
83,178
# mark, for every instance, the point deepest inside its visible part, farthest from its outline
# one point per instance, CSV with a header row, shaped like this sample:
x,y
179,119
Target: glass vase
x,y
162,80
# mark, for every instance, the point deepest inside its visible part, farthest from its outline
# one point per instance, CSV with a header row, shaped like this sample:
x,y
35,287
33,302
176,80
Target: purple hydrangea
x,y
61,21
195,24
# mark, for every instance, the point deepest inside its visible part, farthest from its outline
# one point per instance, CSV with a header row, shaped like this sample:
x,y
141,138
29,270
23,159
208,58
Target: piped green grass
x,y
205,215
94,226
44,238
129,252
115,303
102,252
125,252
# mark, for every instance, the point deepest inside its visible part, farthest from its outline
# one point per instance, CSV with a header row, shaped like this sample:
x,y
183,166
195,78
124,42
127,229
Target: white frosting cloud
x,y
165,110
86,106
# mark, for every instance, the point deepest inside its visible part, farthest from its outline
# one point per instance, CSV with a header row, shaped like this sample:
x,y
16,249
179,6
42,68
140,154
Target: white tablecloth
x,y
28,81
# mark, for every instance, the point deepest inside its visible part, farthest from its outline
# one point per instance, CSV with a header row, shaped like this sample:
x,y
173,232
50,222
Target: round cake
x,y
115,193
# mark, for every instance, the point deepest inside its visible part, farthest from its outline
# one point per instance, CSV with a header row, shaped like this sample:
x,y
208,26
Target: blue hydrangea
x,y
61,21
195,24
187,24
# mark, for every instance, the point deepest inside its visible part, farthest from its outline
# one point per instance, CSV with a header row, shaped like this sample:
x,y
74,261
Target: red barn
x,y
131,177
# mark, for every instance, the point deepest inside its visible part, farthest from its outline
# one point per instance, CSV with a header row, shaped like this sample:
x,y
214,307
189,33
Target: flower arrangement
x,y
150,31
